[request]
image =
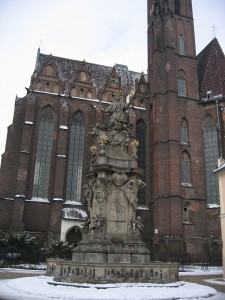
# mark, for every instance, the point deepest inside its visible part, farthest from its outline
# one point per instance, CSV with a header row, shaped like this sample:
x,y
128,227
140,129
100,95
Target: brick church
x,y
178,118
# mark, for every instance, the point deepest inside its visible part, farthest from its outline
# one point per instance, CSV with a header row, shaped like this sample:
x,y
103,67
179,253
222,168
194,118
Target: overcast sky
x,y
99,31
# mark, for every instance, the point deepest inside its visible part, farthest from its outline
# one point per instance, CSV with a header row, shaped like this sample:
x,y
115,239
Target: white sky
x,y
99,31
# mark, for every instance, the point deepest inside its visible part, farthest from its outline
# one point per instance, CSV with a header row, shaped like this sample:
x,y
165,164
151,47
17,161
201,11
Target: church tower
x,y
178,191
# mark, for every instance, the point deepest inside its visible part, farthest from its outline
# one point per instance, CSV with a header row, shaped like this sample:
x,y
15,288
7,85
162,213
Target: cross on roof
x,y
213,31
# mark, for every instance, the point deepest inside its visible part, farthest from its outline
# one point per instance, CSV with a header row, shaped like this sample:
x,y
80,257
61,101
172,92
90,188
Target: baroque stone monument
x,y
111,249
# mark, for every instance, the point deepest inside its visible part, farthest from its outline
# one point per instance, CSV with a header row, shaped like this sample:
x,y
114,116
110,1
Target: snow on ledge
x,y
61,155
213,206
74,214
142,208
72,202
28,122
81,98
57,199
63,127
35,199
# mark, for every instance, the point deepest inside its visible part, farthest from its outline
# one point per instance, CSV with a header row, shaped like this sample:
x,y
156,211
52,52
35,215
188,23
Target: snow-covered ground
x,y
38,288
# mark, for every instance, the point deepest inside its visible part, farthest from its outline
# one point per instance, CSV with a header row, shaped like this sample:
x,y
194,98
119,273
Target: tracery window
x,y
211,154
185,168
183,131
181,45
181,83
141,137
75,160
43,154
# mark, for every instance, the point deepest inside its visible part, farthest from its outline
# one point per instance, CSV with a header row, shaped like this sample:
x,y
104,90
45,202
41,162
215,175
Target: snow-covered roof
x,y
67,71
73,213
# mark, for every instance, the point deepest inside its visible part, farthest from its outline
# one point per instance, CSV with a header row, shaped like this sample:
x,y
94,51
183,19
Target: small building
x,y
221,175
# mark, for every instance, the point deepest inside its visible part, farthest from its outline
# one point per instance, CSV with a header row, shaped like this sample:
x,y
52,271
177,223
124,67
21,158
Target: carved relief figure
x,y
117,110
131,190
118,204
137,224
98,223
88,192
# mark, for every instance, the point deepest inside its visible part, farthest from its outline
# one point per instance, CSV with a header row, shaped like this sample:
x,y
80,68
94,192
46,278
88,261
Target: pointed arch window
x,y
141,137
181,45
49,70
186,212
183,131
43,154
181,83
211,154
75,160
185,168
177,7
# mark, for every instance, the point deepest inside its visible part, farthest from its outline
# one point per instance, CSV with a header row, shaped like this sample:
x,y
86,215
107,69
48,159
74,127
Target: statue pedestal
x,y
111,249
100,272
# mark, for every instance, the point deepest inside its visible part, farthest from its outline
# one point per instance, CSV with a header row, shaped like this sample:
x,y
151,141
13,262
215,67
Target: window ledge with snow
x,y
63,127
142,207
34,199
72,202
213,205
189,185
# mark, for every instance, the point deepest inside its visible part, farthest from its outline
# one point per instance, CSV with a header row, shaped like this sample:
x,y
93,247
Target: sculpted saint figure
x,y
117,110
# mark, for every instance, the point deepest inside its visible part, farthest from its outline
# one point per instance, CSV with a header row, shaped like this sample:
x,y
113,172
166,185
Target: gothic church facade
x,y
178,117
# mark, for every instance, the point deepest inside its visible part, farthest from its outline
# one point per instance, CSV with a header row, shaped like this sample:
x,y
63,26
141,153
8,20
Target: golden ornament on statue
x,y
135,144
93,149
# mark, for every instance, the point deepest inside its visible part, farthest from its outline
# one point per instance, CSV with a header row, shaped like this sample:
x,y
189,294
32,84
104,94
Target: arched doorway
x,y
74,235
216,255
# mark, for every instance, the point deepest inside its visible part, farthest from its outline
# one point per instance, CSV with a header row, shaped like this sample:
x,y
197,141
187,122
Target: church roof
x,y
68,70
211,69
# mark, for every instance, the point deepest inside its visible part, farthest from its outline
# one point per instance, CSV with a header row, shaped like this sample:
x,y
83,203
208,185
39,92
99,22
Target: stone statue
x,y
97,224
117,110
137,224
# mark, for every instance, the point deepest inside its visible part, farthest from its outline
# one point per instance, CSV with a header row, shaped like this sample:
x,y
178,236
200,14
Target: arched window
x,y
185,168
177,7
75,160
141,137
181,45
49,70
43,154
211,154
38,86
181,83
83,76
56,89
183,131
186,210
74,92
74,235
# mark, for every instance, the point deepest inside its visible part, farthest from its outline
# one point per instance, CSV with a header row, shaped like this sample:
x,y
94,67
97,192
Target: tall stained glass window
x,y
43,154
211,154
141,137
75,160
181,84
181,45
185,168
184,131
